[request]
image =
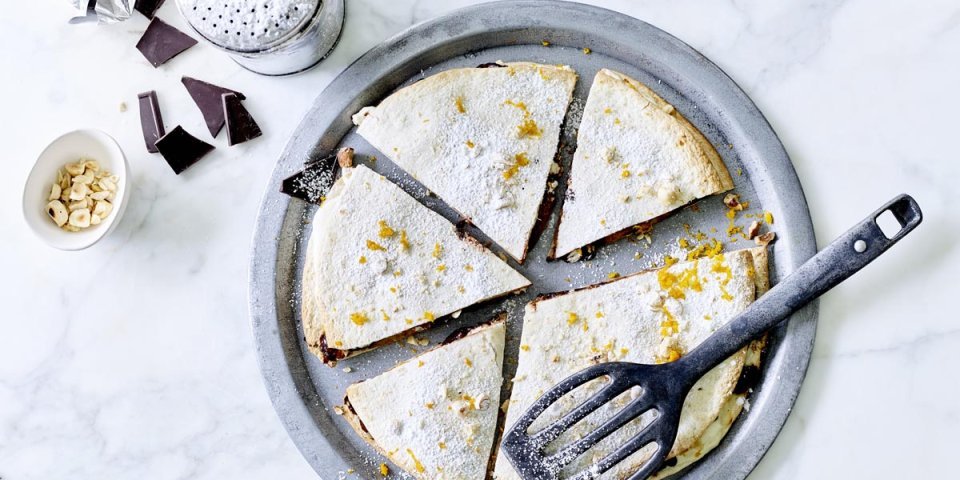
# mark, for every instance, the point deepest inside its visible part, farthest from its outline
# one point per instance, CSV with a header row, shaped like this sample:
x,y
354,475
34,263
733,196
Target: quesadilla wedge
x,y
482,139
667,313
435,416
637,158
379,265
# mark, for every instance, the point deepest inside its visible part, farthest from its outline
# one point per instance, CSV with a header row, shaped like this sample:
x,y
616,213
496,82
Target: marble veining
x,y
134,359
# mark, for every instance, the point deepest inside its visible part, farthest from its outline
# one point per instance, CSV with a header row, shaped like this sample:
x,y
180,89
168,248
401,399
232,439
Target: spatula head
x,y
660,392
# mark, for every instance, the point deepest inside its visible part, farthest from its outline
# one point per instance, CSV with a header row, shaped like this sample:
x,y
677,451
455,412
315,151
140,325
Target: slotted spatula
x,y
663,387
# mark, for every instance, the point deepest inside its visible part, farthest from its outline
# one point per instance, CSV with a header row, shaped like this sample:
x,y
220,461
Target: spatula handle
x,y
842,258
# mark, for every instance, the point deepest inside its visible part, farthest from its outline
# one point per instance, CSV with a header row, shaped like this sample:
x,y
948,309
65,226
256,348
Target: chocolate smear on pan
x,y
181,150
147,7
161,42
313,182
241,126
209,99
151,122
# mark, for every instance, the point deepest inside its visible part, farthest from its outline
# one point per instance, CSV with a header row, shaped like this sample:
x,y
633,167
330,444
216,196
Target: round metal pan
x,y
304,391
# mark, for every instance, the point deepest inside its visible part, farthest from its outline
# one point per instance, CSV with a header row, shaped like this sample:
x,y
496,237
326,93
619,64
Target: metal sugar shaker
x,y
269,37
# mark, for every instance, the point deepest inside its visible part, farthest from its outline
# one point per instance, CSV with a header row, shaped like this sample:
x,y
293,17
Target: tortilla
x,y
482,139
637,158
379,265
435,416
670,311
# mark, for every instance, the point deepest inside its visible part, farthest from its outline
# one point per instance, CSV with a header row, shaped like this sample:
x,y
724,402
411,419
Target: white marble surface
x,y
134,359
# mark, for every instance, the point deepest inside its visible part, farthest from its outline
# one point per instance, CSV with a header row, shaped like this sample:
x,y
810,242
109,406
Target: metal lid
x,y
248,25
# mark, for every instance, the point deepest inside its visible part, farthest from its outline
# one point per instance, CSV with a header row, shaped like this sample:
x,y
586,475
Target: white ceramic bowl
x,y
68,148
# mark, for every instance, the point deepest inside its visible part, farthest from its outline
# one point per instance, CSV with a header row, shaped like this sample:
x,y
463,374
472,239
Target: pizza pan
x,y
304,391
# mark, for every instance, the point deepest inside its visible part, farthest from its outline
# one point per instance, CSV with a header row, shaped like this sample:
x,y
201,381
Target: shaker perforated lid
x,y
248,25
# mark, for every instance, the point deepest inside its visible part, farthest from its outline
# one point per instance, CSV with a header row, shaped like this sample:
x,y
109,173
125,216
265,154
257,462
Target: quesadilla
x,y
668,312
637,158
435,416
482,139
379,265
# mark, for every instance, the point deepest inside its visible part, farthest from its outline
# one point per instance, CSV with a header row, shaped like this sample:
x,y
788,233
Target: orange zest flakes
x,y
359,318
437,251
385,230
393,289
404,243
607,111
672,355
613,275
384,470
768,217
428,316
707,317
586,50
468,267
529,128
338,343
441,267
599,315
459,104
374,246
572,318
683,243
362,260
519,160
719,266
705,250
522,106
624,351
386,318
625,174
616,121
470,143
409,321
669,325
668,260
525,348
545,43
468,362
676,284
416,463
419,363
460,289
441,445
429,405
731,213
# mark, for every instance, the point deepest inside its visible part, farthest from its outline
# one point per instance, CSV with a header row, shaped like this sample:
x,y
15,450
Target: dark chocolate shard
x,y
240,124
161,42
181,150
209,99
151,122
313,182
490,65
147,7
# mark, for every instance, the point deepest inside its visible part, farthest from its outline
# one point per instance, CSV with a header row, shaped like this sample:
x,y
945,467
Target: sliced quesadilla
x,y
637,158
482,139
435,416
667,312
379,265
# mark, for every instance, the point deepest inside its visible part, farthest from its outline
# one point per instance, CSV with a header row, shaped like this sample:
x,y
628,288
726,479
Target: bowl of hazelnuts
x,y
77,190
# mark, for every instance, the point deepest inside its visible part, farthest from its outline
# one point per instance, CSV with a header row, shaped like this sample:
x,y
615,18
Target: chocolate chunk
x,y
490,65
181,150
147,7
209,99
749,378
313,182
240,124
151,122
161,42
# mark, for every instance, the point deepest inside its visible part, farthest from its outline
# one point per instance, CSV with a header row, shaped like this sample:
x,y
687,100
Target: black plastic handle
x,y
842,258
